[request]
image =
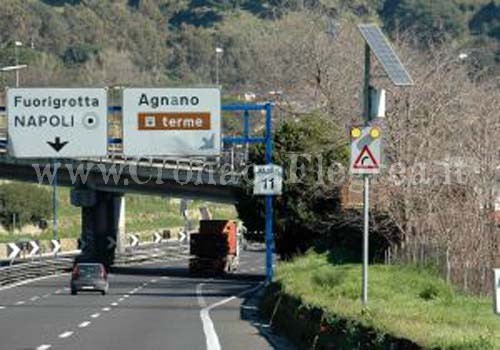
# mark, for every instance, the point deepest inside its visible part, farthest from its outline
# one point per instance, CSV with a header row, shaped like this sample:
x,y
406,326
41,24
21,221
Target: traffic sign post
x,y
365,147
366,157
57,123
176,122
267,140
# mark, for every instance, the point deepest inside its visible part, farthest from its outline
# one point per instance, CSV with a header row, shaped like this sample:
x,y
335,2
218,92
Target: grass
x,y
404,302
143,213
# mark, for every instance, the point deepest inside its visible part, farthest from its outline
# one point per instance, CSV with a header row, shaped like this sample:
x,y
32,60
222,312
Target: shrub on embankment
x,y
318,305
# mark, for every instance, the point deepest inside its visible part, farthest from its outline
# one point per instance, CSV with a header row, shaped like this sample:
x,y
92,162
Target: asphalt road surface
x,y
147,307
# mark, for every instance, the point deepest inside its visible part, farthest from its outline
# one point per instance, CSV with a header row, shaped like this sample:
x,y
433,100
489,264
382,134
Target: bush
x,y
29,203
79,54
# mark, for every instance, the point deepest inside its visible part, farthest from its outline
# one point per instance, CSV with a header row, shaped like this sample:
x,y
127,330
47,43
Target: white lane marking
x,y
126,296
20,302
121,299
66,289
2,307
36,297
44,347
22,283
84,324
114,304
46,295
96,315
211,338
66,334
154,281
105,309
57,291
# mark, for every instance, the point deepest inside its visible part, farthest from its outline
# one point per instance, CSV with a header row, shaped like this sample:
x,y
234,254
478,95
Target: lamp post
x,y
15,68
17,44
218,52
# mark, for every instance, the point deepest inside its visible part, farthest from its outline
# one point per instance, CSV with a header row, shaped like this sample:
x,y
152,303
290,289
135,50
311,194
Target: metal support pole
x,y
366,209
17,64
216,68
269,199
54,202
246,133
366,85
366,193
269,238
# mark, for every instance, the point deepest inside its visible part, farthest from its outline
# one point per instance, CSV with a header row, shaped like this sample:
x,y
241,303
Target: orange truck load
x,y
215,247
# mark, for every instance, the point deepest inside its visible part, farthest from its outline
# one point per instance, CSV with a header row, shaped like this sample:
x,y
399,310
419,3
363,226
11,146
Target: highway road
x,y
147,307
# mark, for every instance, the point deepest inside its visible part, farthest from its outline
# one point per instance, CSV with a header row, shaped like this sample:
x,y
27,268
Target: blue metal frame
x,y
268,141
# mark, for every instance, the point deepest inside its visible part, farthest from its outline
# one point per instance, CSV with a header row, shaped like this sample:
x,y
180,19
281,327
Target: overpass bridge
x,y
99,184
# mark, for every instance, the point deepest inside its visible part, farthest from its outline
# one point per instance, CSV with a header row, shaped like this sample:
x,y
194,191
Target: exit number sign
x,y
268,180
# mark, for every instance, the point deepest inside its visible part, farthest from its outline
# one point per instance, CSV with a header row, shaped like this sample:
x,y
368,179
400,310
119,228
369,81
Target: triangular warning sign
x,y
365,160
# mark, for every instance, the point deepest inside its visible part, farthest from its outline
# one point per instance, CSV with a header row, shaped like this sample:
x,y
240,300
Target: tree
x,y
306,148
79,54
28,203
429,21
487,21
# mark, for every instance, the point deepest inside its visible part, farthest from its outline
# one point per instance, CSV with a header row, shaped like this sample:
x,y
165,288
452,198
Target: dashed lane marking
x,y
96,315
20,302
84,324
36,297
44,347
66,334
106,309
114,304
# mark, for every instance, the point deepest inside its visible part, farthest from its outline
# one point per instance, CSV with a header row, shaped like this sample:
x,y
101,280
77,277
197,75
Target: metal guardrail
x,y
46,267
21,272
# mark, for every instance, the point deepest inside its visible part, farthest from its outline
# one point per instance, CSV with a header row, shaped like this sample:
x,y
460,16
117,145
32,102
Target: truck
x,y
215,248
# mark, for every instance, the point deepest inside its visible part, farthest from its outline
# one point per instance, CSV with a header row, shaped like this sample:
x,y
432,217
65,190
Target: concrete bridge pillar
x,y
121,234
103,224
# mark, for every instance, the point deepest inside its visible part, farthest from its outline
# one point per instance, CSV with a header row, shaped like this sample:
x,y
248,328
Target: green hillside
x,y
157,42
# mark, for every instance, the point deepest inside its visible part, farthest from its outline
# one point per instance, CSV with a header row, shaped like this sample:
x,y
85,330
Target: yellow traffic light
x,y
375,133
355,133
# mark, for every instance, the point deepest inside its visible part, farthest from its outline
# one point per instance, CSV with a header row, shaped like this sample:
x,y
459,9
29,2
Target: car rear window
x,y
90,270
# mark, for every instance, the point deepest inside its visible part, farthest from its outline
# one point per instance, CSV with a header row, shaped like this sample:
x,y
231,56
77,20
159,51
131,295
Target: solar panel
x,y
385,54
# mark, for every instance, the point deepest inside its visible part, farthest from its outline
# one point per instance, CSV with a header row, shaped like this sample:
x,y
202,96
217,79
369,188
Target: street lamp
x,y
16,45
218,52
16,68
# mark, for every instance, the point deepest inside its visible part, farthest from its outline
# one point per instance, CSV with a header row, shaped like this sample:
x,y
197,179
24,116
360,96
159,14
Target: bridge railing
x,y
233,157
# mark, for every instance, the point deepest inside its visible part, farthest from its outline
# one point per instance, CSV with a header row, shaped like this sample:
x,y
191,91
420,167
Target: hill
x,y
158,42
